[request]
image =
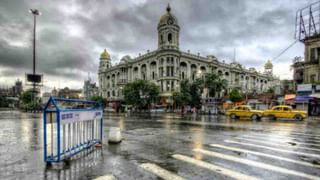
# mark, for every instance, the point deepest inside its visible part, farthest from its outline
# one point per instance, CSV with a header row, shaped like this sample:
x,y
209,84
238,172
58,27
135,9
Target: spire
x,y
168,8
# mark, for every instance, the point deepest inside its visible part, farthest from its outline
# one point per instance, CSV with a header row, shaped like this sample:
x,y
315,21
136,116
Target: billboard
x,y
304,88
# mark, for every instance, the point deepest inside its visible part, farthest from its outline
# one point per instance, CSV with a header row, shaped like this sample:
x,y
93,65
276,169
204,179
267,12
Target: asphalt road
x,y
169,146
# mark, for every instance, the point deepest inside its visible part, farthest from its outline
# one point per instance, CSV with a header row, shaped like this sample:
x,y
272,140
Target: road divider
x,y
257,164
160,172
214,168
265,155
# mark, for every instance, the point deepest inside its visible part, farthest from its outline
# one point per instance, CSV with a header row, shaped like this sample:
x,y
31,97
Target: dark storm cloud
x,y
71,34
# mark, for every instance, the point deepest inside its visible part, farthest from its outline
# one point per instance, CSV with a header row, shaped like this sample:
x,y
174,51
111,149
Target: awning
x,y
303,98
289,97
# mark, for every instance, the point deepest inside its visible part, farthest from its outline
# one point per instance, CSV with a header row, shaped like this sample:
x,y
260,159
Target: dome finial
x,y
168,8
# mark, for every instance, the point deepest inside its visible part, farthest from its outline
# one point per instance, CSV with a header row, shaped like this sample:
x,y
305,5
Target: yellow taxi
x,y
244,111
285,112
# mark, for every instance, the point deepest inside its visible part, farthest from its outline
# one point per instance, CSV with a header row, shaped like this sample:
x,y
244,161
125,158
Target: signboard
x,y
67,117
304,87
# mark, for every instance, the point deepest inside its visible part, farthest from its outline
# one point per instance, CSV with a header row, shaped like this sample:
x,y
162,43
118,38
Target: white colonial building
x,y
168,65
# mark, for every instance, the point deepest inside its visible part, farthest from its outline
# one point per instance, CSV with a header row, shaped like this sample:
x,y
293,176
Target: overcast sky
x,y
72,34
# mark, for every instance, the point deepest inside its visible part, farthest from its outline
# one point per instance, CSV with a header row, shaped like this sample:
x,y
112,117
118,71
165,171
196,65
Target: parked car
x,y
285,112
244,111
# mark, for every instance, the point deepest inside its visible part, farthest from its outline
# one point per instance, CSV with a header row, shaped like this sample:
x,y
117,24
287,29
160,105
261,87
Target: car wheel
x,y
298,117
233,116
254,117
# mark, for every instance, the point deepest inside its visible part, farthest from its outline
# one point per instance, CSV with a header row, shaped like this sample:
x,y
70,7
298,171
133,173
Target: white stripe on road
x,y
285,136
106,177
256,164
160,172
265,155
263,137
274,149
214,168
275,144
306,134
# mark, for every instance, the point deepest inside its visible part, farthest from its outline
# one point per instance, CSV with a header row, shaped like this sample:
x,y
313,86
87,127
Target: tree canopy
x,y
141,93
235,95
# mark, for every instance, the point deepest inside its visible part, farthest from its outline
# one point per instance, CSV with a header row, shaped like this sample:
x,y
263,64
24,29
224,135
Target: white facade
x,y
167,66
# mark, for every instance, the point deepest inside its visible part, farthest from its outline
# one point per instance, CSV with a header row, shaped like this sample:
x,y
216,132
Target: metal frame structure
x,y
70,126
308,22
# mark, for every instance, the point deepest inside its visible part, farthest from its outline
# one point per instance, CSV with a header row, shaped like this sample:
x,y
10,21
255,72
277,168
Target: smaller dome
x,y
268,65
168,18
125,59
104,55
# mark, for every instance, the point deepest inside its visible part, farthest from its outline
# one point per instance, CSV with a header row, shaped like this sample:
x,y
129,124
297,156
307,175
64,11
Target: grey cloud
x,y
126,27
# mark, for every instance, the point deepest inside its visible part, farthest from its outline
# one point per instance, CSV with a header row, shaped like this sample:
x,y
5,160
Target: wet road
x,y
168,146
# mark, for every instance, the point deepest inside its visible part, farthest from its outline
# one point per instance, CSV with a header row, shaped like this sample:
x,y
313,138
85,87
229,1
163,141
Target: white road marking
x,y
276,144
257,164
263,137
274,149
214,168
285,136
106,177
160,172
265,155
306,134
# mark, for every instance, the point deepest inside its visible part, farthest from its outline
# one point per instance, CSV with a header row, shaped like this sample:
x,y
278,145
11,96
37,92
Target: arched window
x,y
170,37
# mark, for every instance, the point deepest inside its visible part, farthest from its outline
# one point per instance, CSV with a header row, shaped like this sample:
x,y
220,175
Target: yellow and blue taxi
x,y
285,112
244,111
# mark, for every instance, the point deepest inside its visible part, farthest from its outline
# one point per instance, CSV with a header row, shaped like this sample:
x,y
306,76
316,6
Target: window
x,y
172,85
313,78
286,109
168,86
277,109
153,75
182,75
161,38
169,37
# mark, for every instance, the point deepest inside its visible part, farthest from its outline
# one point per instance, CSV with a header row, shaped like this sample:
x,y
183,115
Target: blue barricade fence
x,y
70,126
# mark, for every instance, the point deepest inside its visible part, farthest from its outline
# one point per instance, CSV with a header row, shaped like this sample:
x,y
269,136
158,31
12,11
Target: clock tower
x,y
168,31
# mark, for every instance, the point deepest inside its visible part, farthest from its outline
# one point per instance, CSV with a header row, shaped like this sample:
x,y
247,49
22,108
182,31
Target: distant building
x,y
168,65
69,93
45,97
288,87
90,89
13,91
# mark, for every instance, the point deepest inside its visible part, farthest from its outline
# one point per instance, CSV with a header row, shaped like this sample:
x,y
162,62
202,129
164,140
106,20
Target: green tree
x,y
26,97
235,95
3,102
214,84
141,93
99,99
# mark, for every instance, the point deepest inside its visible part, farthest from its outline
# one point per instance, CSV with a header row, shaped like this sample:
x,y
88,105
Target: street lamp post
x,y
35,13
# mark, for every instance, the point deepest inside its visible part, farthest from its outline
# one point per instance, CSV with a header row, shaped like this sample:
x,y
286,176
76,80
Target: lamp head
x,y
35,12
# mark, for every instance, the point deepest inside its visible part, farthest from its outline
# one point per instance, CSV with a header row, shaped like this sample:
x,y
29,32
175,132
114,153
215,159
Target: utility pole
x,y
35,13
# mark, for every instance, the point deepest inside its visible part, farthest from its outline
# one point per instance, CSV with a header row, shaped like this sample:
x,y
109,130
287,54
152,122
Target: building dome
x,y
104,55
168,18
125,59
268,65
